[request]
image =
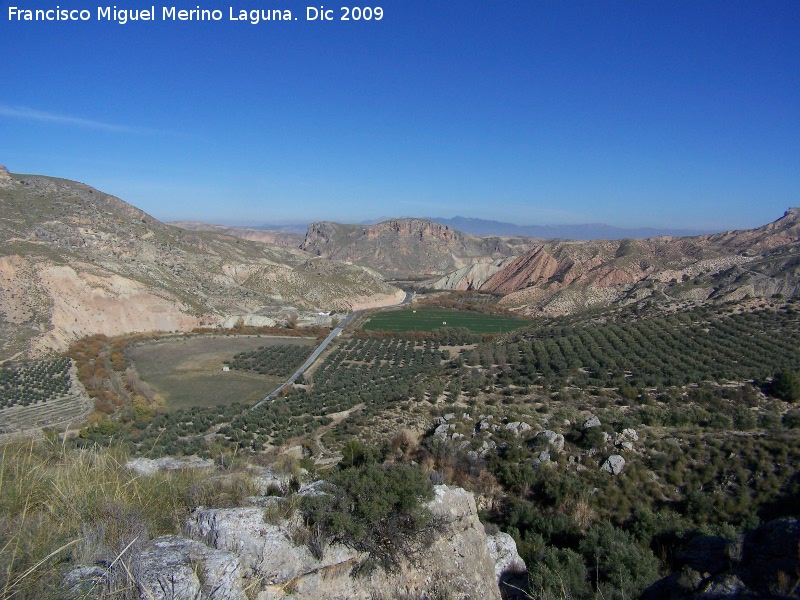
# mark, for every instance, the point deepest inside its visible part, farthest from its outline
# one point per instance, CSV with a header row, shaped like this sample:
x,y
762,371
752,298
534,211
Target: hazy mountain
x,y
590,231
296,228
283,237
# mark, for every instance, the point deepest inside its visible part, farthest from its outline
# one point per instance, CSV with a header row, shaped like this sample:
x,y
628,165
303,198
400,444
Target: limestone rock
x,y
518,428
591,422
174,567
503,550
509,568
554,440
442,430
81,581
226,551
459,559
147,466
613,464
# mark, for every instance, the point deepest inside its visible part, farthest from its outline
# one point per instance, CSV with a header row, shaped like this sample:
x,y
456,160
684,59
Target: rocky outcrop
x,y
148,466
614,464
552,439
407,247
172,567
227,551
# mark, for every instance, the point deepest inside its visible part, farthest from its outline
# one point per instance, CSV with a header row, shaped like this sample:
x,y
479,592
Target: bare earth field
x,y
189,372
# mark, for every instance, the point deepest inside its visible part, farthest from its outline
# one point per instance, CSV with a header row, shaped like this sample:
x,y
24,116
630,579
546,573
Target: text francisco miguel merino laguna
x,y
173,13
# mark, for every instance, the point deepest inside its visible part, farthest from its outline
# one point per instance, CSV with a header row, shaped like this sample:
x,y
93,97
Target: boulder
x,y
591,422
226,551
518,428
442,430
613,464
630,434
554,440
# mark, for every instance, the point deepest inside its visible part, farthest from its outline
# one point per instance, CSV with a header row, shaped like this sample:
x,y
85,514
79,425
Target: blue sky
x,y
679,113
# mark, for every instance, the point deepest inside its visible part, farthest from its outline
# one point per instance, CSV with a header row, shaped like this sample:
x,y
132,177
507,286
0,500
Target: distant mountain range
x,y
486,227
589,231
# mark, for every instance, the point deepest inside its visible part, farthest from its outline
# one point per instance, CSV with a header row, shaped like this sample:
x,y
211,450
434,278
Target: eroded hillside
x,y
76,261
408,247
561,277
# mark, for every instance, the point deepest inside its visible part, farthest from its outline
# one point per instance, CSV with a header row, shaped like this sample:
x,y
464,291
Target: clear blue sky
x,y
634,113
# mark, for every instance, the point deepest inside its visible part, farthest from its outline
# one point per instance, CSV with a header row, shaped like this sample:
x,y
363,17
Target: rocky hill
x,y
408,247
76,261
560,277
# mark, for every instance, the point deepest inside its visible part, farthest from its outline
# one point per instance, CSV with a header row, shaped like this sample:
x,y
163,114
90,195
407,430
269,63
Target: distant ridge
x,y
589,231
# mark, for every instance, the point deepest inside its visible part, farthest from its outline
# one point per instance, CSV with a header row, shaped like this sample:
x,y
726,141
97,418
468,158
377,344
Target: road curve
x,y
315,355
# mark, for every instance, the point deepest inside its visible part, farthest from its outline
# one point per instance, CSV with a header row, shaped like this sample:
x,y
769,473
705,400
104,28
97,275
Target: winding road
x,y
315,355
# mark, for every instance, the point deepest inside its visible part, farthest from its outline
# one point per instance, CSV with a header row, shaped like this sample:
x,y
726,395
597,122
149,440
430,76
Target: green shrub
x,y
786,386
559,573
622,567
375,509
791,420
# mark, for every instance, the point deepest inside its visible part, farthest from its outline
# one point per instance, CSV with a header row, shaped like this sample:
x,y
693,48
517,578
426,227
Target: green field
x,y
427,319
189,372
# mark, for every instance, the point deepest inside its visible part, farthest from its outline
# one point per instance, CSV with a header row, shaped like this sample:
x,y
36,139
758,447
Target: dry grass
x,y
61,507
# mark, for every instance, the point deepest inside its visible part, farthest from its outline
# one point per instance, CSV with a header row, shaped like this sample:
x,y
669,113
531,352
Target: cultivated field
x,y
427,319
189,372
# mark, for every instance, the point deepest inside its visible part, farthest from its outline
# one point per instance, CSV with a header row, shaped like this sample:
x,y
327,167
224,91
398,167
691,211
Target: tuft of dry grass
x,y
62,507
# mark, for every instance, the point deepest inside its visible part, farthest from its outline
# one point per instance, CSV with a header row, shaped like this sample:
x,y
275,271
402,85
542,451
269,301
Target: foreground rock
x,y
229,551
147,466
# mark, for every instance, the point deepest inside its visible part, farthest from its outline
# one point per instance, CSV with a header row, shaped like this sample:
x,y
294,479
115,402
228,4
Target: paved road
x,y
314,355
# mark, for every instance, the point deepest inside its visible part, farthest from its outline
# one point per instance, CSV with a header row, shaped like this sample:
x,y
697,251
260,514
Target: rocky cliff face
x,y
403,247
227,552
76,261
